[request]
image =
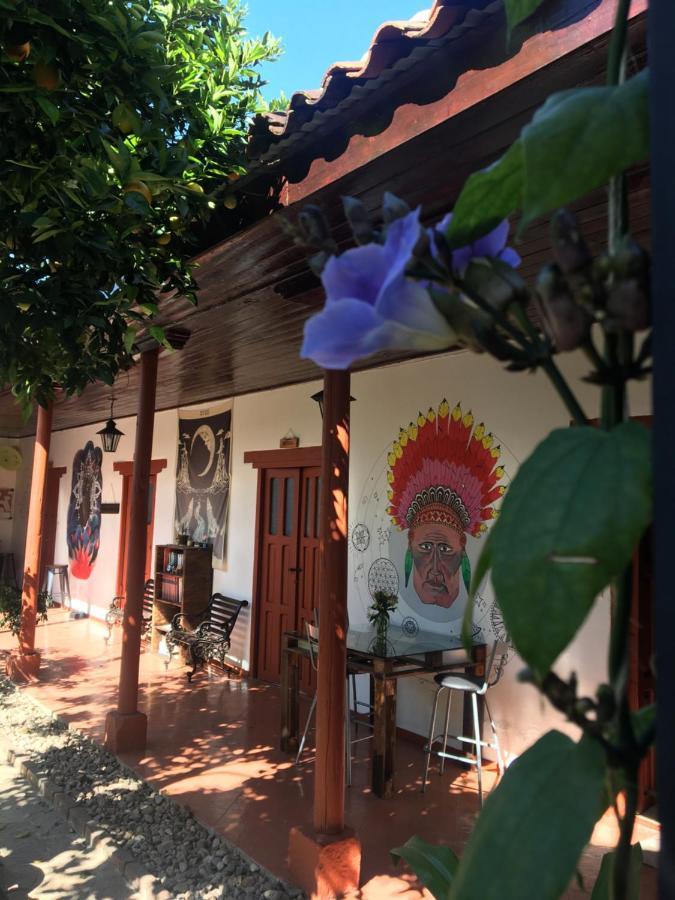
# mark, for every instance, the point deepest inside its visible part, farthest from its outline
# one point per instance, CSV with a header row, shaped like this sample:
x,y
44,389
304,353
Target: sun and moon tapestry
x,y
84,511
425,508
203,476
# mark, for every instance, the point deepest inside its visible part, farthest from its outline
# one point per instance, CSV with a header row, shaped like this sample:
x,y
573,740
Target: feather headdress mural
x,y
444,479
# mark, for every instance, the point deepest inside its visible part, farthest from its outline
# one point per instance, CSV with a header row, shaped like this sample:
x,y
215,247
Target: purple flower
x,y
371,305
492,244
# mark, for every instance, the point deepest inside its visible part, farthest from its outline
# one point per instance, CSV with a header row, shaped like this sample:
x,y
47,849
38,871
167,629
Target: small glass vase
x,y
382,628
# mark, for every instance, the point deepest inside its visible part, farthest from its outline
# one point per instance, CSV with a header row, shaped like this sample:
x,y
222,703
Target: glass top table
x,y
385,662
399,644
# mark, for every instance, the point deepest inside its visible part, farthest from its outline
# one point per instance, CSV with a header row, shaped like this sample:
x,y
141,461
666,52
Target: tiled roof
x,y
395,47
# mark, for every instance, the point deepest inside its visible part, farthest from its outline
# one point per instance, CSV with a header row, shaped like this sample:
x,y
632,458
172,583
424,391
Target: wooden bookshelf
x,y
183,579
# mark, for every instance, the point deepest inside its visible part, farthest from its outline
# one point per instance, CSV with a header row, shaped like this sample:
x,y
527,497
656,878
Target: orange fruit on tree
x,y
18,52
163,239
46,76
139,187
230,201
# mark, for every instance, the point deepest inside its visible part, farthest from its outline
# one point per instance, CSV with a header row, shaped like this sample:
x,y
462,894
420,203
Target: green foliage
x,y
568,525
535,823
517,10
602,889
10,607
434,865
121,128
585,136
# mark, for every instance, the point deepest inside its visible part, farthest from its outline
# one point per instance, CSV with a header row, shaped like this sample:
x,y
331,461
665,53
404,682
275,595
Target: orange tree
x,y
123,123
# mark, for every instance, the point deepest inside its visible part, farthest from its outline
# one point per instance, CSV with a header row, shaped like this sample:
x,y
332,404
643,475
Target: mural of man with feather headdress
x,y
443,479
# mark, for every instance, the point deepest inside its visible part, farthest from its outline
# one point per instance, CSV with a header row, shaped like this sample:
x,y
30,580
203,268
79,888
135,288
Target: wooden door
x,y
49,517
278,567
308,577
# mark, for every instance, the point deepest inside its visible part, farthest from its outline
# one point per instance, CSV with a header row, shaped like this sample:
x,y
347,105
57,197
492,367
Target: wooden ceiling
x,y
256,291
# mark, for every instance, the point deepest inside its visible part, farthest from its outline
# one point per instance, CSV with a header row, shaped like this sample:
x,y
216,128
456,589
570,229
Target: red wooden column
x,y
126,727
23,665
327,861
329,789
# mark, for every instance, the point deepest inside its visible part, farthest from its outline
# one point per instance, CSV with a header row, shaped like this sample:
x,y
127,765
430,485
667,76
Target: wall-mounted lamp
x,y
318,398
110,435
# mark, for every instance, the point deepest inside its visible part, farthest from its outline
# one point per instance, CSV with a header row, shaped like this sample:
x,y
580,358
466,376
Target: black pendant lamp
x,y
318,398
110,435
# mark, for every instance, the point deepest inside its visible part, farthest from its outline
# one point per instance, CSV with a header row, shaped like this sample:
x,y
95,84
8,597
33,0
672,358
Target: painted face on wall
x,y
436,550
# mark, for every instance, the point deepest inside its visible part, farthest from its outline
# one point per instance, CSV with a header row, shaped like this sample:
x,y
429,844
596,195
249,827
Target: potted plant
x,y
378,615
10,608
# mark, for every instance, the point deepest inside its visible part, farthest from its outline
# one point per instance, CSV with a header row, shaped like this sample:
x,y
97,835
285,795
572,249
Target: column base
x,y
23,667
125,732
326,866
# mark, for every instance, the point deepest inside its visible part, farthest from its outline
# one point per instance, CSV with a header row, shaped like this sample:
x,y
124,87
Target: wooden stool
x,y
60,572
8,569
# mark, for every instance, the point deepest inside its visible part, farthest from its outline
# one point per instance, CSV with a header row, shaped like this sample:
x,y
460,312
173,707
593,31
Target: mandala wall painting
x,y
382,576
410,626
360,537
84,511
426,505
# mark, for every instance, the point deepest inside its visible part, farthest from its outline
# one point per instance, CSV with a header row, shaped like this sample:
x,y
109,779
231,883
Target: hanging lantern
x,y
110,435
318,398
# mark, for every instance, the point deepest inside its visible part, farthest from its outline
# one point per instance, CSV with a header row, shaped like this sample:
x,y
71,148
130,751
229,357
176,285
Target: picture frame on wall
x,y
6,503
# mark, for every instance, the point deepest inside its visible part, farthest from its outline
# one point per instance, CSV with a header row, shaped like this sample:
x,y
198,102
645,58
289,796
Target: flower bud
x,y
393,208
359,220
565,323
313,225
628,306
569,248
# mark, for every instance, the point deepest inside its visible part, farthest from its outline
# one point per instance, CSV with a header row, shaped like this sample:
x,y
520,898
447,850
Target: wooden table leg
x,y
384,734
290,691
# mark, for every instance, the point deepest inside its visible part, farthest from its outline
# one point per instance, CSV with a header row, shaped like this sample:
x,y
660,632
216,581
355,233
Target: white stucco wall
x,y
519,409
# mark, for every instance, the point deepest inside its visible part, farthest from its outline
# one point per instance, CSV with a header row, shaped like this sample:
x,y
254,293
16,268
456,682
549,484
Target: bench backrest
x,y
148,597
223,614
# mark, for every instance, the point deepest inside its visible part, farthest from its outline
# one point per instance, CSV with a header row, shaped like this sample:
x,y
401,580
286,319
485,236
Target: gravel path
x,y
42,857
189,860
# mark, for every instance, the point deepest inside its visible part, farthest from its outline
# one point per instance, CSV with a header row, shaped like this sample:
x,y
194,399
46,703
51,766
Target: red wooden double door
x,y
288,562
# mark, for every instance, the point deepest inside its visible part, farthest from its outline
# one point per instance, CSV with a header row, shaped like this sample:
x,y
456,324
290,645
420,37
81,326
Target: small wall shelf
x,y
183,579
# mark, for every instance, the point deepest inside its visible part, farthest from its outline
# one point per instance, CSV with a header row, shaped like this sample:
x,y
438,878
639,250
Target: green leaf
x,y
158,333
129,338
535,824
48,107
576,142
601,888
569,524
487,197
579,139
517,10
435,866
643,720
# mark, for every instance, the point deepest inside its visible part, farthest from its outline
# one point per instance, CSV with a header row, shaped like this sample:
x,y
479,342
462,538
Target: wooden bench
x,y
210,640
115,612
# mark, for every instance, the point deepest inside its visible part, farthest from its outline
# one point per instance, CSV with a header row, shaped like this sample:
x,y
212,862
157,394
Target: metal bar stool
x,y
313,639
51,574
475,687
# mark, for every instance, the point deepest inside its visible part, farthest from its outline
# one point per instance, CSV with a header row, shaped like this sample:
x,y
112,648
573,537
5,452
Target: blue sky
x,y
316,33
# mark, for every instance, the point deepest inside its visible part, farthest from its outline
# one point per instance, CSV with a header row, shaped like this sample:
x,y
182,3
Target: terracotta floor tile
x,y
213,747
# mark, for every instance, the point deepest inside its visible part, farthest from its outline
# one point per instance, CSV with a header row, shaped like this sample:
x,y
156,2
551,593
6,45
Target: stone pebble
x,y
187,859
